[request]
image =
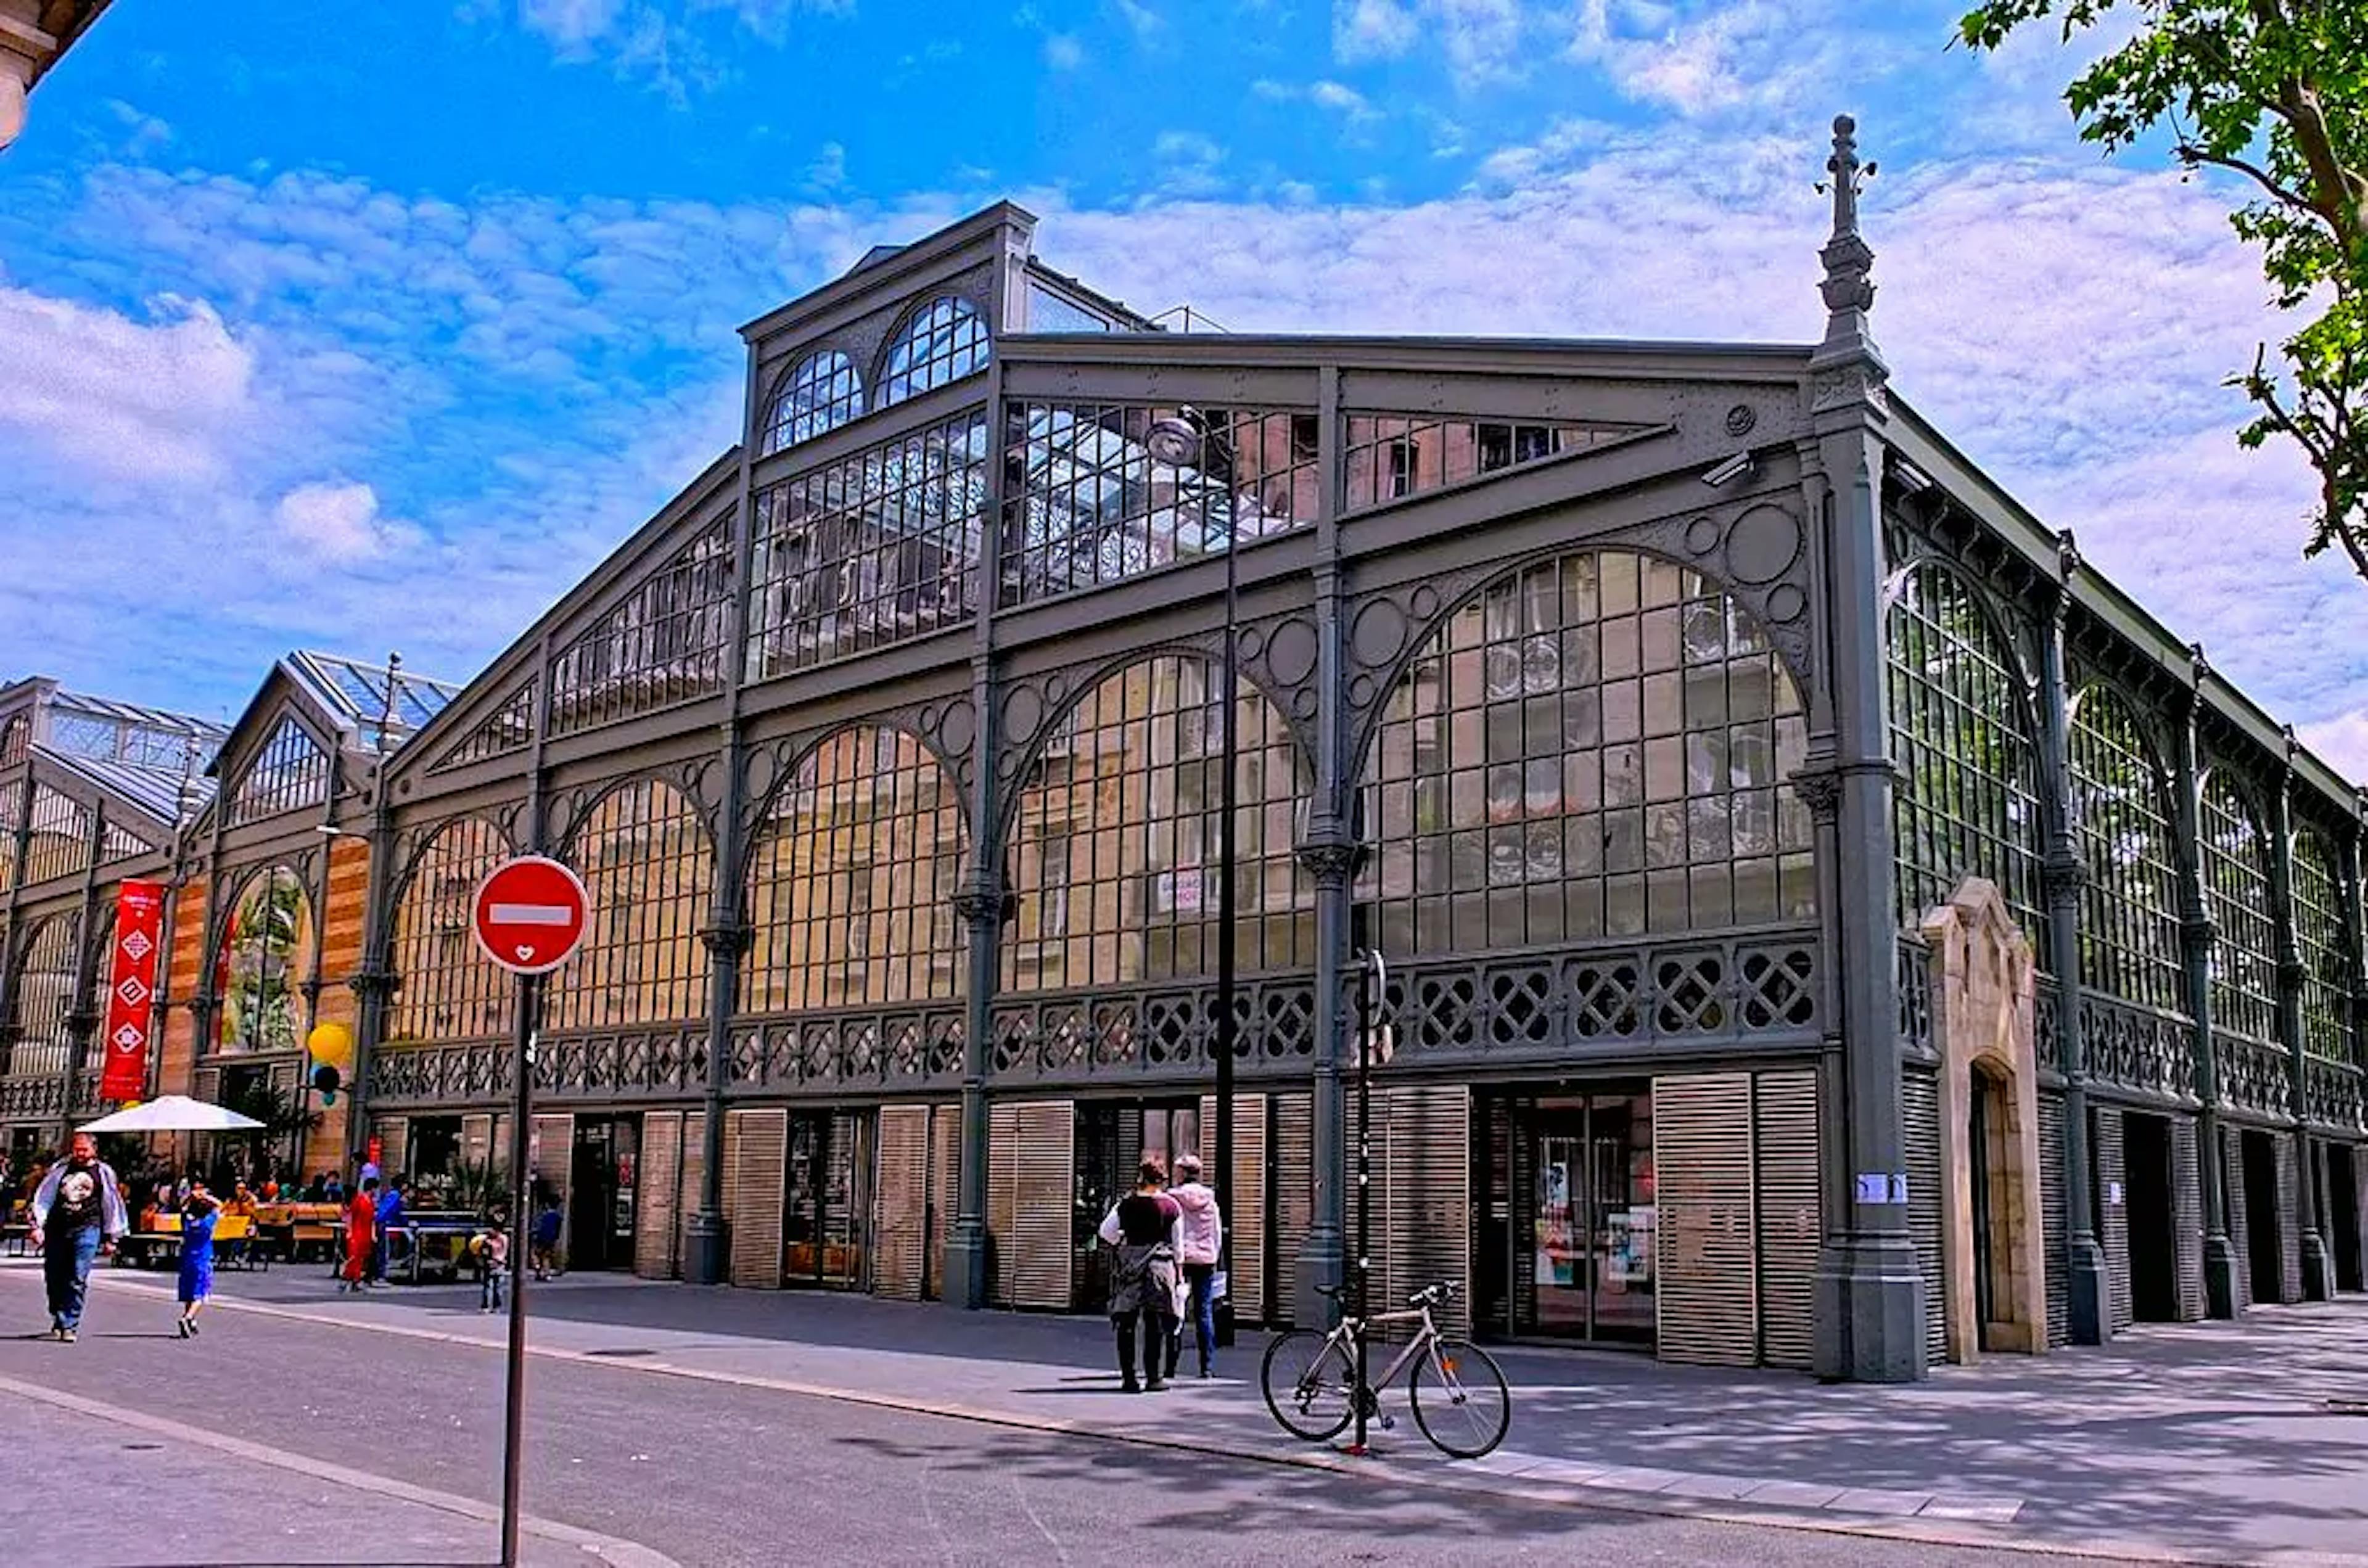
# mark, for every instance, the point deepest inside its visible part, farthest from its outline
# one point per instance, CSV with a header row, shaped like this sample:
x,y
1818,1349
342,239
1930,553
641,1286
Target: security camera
x,y
1734,467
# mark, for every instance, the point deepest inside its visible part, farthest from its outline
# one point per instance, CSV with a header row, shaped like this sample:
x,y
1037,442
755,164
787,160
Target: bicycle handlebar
x,y
1433,1295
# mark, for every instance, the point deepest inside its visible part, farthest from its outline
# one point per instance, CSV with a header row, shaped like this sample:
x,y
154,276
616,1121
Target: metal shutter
x,y
555,1160
2053,1219
656,1214
1042,1220
1246,1218
758,1168
945,1189
2114,1235
2187,1209
1920,1112
1003,1194
693,1188
1706,1299
393,1143
901,1201
2289,1212
1422,1207
1293,1194
1792,1228
2232,1201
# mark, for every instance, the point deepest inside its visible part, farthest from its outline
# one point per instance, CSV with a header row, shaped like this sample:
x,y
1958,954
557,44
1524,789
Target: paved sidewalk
x,y
2209,1442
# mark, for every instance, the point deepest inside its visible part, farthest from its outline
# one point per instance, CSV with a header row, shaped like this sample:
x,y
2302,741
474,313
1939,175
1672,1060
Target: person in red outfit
x,y
361,1234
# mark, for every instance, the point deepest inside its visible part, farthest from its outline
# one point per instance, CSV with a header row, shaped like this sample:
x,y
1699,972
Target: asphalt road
x,y
713,1474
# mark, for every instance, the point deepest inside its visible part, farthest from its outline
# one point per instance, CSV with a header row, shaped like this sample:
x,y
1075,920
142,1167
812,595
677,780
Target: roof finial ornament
x,y
1846,368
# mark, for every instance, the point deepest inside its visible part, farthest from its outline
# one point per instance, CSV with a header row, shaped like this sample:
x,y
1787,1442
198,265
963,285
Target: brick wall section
x,y
178,1050
342,918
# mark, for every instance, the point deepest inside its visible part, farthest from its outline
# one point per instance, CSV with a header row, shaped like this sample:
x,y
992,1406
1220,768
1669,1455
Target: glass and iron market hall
x,y
1827,925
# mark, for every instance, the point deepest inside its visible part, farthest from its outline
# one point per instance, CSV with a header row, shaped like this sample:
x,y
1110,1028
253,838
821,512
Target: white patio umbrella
x,y
171,1113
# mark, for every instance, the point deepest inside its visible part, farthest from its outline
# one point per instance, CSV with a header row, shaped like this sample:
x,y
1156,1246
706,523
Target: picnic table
x,y
431,1240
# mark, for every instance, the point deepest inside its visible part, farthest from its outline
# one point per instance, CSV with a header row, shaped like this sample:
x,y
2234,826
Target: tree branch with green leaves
x,y
2274,92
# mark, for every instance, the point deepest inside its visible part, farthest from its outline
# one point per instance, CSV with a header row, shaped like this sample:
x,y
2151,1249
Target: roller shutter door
x,y
693,1188
1295,1166
1422,1210
1245,1220
393,1145
2187,1208
1919,1106
1791,1228
1032,1146
661,1189
758,1168
1706,1299
2053,1219
2114,1235
901,1213
945,1189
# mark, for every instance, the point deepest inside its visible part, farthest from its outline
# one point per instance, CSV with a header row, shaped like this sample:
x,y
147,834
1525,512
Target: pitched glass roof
x,y
361,698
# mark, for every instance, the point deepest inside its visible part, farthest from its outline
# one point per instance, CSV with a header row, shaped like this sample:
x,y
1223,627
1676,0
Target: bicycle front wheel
x,y
1460,1399
1307,1377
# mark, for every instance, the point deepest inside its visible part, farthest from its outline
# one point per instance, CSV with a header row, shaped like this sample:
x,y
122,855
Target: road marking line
x,y
609,1549
1924,1530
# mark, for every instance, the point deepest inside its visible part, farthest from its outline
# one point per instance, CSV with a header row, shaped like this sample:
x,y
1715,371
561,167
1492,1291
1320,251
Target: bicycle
x,y
1311,1380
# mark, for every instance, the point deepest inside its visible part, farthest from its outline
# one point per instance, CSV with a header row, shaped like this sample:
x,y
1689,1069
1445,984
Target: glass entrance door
x,y
1577,1260
825,1228
602,1169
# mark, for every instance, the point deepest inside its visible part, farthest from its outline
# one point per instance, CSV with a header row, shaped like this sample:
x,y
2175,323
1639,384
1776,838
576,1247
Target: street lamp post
x,y
1189,438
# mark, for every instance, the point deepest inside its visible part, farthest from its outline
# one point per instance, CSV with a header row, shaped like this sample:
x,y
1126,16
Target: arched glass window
x,y
265,959
821,393
1114,841
292,771
47,972
646,862
1593,746
1968,803
944,342
16,740
12,817
2237,881
449,989
851,879
2318,935
2129,910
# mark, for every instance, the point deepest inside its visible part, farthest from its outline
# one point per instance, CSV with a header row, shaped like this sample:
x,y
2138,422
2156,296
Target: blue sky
x,y
374,326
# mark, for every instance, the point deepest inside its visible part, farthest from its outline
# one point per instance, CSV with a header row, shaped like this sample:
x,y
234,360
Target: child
x,y
199,1209
544,1252
493,1249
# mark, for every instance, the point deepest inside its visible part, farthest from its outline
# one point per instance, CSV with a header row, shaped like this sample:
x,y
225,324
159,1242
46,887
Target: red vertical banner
x,y
132,990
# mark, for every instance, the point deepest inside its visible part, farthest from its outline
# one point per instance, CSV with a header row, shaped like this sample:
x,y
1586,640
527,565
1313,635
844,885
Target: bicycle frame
x,y
1357,1328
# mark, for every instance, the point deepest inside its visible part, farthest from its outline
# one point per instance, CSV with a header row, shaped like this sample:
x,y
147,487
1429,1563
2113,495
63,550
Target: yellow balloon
x,y
332,1045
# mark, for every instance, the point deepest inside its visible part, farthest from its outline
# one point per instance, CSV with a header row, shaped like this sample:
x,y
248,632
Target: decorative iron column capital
x,y
1819,787
728,939
2200,929
1329,851
2062,876
984,902
370,984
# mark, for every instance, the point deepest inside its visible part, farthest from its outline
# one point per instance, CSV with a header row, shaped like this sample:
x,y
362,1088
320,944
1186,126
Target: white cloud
x,y
1145,22
339,523
1062,51
676,45
1481,40
119,399
2342,743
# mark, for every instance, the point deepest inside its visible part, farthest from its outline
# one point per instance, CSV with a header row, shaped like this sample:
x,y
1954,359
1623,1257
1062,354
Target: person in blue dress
x,y
199,1209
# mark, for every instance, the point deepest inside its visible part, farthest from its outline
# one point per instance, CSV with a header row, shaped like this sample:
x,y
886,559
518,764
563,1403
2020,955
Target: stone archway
x,y
1983,979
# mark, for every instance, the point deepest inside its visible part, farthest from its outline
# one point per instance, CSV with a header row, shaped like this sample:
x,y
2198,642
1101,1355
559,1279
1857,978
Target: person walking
x,y
542,1248
390,1215
361,1234
77,1214
1199,1243
200,1211
1142,1227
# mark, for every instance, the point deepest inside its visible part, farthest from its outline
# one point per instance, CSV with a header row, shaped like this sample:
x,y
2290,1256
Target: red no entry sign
x,y
530,914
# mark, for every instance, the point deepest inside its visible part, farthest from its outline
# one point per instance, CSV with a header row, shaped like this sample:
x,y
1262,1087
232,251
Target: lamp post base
x,y
2090,1316
704,1258
969,1267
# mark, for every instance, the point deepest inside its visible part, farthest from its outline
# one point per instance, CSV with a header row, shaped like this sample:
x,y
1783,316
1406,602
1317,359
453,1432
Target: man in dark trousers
x,y
77,1213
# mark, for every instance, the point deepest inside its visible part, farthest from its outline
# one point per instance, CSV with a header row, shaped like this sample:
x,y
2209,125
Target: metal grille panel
x,y
1919,1105
2112,1171
1294,1197
1792,1230
2053,1218
1707,1297
2289,1169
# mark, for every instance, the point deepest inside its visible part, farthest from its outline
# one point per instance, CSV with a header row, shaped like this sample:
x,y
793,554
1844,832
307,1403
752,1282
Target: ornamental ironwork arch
x,y
850,878
444,988
646,855
1590,743
1110,835
1963,738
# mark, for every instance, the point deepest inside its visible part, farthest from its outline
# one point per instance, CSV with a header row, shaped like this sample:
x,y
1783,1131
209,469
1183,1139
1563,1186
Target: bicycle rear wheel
x,y
1307,1377
1460,1399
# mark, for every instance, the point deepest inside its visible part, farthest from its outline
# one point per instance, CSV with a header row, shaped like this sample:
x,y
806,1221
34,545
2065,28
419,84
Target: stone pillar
x,y
2199,930
2064,872
2317,1267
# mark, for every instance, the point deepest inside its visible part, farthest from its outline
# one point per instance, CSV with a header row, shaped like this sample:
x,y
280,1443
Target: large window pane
x,y
1583,721
643,855
2237,881
266,957
1115,841
447,989
2129,910
2318,935
852,880
821,393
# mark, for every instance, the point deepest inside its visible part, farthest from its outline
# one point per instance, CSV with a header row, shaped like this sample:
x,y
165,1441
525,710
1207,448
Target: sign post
x,y
530,917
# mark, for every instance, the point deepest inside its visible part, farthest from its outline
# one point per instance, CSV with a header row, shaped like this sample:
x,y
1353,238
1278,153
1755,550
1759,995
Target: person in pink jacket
x,y
1199,1243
